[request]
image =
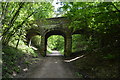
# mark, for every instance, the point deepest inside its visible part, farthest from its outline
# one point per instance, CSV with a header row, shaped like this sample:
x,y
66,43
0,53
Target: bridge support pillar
x,y
68,45
43,46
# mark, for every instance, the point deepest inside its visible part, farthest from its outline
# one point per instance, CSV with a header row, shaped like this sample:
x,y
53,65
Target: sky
x,y
56,4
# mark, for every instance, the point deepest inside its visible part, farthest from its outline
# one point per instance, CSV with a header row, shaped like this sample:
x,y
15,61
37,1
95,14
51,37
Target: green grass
x,y
10,58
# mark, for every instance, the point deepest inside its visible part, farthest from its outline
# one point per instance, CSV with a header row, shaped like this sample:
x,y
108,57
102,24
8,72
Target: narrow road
x,y
52,67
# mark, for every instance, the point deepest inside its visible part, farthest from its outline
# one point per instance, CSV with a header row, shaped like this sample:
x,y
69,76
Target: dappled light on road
x,y
54,53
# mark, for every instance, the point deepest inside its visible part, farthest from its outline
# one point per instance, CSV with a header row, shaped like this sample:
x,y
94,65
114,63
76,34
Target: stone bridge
x,y
53,26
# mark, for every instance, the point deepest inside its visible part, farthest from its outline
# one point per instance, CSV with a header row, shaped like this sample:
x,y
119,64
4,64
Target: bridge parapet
x,y
53,22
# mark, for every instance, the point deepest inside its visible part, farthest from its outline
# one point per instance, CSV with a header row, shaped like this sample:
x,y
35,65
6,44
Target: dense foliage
x,y
17,17
56,42
79,43
99,20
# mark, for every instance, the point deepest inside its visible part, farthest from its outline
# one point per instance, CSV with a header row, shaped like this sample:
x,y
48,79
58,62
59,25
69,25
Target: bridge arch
x,y
62,32
54,32
30,34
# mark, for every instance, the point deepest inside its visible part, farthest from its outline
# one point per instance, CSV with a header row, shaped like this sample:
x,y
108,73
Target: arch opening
x,y
78,43
36,41
55,43
55,40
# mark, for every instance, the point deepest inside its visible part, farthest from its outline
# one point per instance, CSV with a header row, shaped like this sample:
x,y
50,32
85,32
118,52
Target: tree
x,y
100,20
17,17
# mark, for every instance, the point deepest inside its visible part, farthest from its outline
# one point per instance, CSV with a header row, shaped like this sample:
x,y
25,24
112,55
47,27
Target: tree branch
x,y
13,19
115,7
19,26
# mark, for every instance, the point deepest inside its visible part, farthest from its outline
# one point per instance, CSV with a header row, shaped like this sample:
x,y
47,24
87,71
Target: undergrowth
x,y
14,60
98,65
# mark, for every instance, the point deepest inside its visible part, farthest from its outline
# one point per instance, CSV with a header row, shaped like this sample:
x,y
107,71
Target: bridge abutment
x,y
43,46
68,45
